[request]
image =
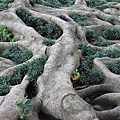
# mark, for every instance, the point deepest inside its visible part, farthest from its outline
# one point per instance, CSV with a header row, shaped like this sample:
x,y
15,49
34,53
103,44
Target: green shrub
x,y
111,34
25,108
6,35
44,28
114,66
79,19
16,54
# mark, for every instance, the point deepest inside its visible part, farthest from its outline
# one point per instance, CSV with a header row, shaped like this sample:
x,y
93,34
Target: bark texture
x,y
55,94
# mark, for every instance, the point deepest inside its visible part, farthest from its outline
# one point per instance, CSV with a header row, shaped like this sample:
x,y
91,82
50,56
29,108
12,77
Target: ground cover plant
x,y
16,54
34,69
46,29
6,35
4,3
94,37
114,66
94,3
56,3
80,19
88,74
48,42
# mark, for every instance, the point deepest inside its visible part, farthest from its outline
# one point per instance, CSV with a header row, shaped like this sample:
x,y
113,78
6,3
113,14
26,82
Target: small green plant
x,y
16,54
114,66
36,68
6,35
44,28
76,72
49,42
95,3
79,19
4,3
4,87
94,38
89,75
25,107
1,1
111,34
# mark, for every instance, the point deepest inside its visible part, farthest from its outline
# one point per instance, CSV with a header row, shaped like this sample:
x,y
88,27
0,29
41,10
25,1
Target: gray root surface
x,y
55,93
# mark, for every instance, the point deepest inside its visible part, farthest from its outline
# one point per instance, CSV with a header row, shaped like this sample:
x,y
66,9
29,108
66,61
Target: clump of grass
x,y
90,75
44,28
4,87
94,38
4,3
48,42
34,69
16,54
6,35
95,3
111,34
79,19
56,3
114,66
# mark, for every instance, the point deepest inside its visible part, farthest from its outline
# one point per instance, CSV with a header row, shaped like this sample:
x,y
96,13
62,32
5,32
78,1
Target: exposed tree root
x,y
54,92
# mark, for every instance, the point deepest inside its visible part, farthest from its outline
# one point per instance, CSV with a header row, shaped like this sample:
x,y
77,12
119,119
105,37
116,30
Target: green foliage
x,y
16,54
56,3
92,76
79,19
1,1
49,42
4,3
4,87
95,3
94,38
36,68
25,107
102,43
111,34
46,29
76,72
114,66
113,1
89,75
6,35
102,7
